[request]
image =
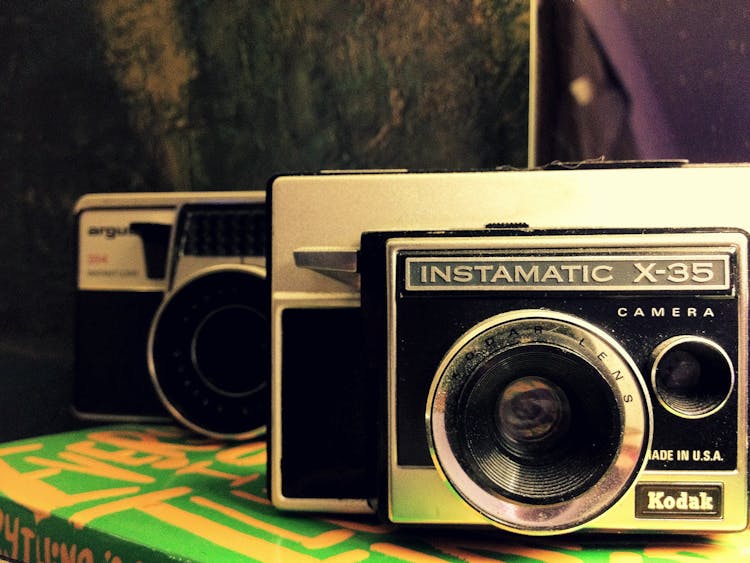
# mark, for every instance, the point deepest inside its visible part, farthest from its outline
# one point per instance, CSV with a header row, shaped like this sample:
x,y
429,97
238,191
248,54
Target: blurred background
x,y
164,95
637,79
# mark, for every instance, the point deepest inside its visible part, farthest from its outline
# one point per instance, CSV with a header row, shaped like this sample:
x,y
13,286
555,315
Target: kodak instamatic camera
x,y
543,351
171,312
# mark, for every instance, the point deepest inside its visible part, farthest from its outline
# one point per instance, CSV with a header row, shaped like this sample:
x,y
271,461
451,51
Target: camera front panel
x,y
121,279
546,382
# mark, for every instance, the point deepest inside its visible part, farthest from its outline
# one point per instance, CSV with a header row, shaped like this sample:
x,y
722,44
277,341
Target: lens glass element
x,y
681,370
222,346
539,438
532,413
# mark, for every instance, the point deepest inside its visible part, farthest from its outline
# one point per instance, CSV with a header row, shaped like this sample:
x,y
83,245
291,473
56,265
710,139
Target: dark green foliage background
x,y
333,84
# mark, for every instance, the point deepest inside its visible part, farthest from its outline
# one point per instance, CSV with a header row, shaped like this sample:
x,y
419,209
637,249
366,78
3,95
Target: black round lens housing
x,y
692,376
538,420
209,352
556,432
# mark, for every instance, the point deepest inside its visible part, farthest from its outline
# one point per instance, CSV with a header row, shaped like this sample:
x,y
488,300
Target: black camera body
x,y
171,310
533,350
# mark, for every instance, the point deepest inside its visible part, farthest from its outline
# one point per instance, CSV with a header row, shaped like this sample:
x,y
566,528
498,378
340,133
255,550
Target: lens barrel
x,y
570,409
209,352
538,420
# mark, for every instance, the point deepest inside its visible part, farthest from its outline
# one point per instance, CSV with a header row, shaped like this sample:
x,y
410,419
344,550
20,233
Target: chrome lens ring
x,y
589,358
208,352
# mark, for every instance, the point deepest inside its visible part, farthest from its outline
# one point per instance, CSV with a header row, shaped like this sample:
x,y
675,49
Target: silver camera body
x,y
543,351
171,310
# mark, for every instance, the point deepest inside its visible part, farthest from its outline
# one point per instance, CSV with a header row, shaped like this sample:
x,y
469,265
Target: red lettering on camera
x,y
97,259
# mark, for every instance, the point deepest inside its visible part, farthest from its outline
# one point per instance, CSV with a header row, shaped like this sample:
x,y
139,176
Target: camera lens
x,y
538,420
532,414
220,348
692,376
538,439
209,352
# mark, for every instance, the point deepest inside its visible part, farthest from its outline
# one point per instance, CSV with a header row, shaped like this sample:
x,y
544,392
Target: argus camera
x,y
543,351
171,310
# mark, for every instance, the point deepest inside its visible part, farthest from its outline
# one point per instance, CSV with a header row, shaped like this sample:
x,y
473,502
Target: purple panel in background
x,y
644,79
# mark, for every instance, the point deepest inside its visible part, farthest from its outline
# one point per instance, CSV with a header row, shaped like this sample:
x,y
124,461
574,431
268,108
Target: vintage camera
x,y
543,351
171,310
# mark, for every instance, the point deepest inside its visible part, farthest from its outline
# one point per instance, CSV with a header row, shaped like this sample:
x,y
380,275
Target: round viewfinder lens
x,y
681,370
692,376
